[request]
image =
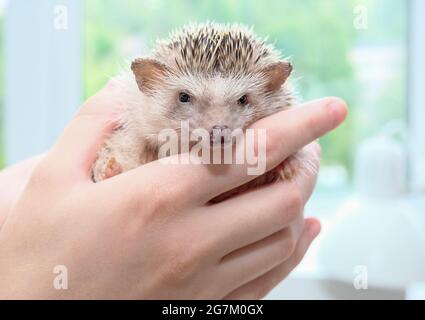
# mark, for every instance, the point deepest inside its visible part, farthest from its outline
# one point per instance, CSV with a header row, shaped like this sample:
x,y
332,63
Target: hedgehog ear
x,y
149,73
277,74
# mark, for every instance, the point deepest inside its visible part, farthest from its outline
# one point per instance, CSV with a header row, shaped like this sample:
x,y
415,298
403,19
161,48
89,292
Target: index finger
x,y
286,132
259,213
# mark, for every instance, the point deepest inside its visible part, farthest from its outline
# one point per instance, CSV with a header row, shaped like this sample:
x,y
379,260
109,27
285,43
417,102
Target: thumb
x,y
78,146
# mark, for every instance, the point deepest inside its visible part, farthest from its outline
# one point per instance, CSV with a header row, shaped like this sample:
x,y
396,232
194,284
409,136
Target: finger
x,y
82,138
261,286
301,126
287,132
309,165
258,213
250,262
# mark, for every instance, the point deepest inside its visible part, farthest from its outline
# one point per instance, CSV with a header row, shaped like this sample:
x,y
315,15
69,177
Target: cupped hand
x,y
150,233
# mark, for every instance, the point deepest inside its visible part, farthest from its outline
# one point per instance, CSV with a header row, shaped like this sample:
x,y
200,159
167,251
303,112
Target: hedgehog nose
x,y
218,131
220,128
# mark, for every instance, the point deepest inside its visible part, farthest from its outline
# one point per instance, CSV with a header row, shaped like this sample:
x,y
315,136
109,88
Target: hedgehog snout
x,y
220,134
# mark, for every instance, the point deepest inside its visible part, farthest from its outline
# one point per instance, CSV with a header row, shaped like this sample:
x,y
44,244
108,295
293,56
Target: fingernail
x,y
337,110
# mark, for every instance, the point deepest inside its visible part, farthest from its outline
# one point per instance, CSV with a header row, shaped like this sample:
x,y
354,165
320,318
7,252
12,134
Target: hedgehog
x,y
219,77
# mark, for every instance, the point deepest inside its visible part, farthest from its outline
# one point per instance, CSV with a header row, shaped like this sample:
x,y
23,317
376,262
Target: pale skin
x,y
149,233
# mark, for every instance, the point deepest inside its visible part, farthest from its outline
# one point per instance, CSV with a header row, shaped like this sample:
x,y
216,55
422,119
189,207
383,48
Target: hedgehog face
x,y
218,103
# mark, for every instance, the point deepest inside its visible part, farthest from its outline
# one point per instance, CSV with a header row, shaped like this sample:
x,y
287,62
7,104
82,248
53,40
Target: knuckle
x,y
285,216
295,203
155,200
289,207
138,200
166,198
182,188
286,211
41,176
204,248
286,246
273,144
159,199
181,265
291,246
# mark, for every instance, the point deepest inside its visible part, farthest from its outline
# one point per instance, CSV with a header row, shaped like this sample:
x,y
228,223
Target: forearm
x,y
12,181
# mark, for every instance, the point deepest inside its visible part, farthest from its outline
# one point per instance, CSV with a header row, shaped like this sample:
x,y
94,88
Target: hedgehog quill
x,y
218,77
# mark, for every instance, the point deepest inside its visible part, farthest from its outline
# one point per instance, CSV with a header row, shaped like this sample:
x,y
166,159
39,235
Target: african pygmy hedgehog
x,y
216,76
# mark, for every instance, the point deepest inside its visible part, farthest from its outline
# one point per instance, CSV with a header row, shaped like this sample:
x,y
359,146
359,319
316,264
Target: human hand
x,y
149,233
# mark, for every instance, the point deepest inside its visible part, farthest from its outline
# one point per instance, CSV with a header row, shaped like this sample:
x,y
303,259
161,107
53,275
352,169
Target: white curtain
x,y
43,76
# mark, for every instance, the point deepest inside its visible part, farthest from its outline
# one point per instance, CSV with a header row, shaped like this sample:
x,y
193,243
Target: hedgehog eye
x,y
243,100
184,97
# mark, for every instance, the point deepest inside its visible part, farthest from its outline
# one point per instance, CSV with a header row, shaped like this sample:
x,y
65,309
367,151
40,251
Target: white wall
x,y
416,92
43,54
